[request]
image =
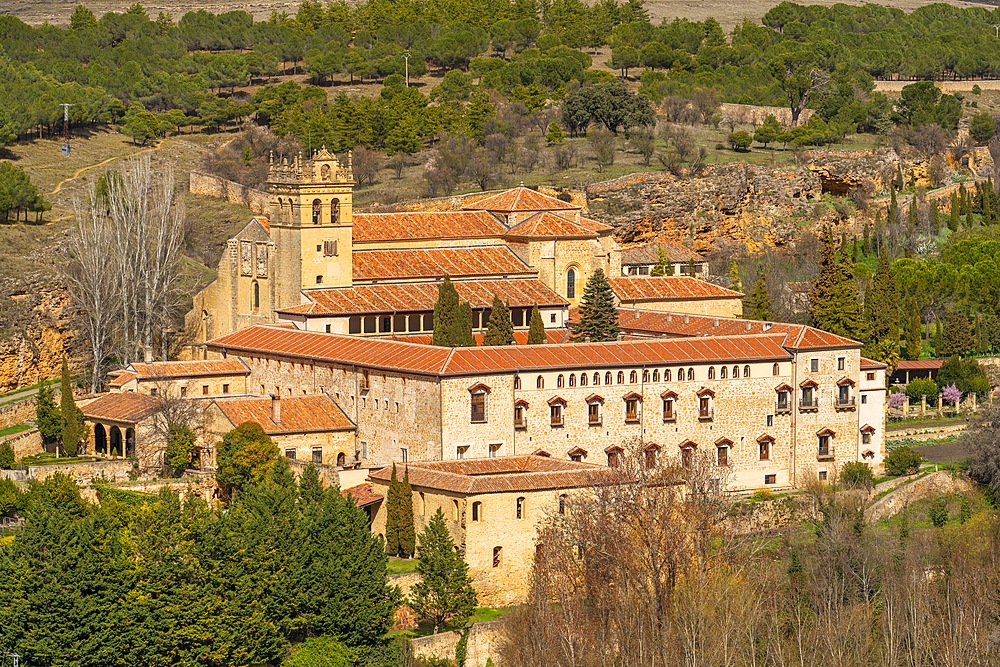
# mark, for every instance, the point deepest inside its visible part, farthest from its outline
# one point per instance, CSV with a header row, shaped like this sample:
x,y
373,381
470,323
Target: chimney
x,y
715,322
670,318
748,327
276,408
687,319
147,354
512,219
621,336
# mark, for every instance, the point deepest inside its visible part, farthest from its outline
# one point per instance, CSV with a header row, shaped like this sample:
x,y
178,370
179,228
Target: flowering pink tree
x,y
896,400
952,394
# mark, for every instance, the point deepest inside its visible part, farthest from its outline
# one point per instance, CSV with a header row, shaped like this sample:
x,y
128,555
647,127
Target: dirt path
x,y
79,172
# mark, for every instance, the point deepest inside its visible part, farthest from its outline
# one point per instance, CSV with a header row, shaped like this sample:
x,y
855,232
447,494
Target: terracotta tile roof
x,y
668,288
798,336
363,494
374,227
126,407
503,475
919,364
423,263
403,297
547,225
315,413
520,199
181,369
647,253
384,354
122,379
520,337
871,365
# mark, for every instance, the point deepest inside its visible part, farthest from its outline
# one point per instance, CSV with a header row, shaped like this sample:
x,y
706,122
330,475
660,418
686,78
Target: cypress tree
x,y
757,306
444,593
536,330
445,313
935,216
393,509
911,216
47,415
987,212
598,315
866,242
914,343
663,267
893,207
855,250
462,327
833,300
881,312
72,416
953,219
734,277
500,329
878,230
407,534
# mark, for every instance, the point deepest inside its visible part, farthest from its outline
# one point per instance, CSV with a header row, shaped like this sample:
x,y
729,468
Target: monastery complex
x,y
318,328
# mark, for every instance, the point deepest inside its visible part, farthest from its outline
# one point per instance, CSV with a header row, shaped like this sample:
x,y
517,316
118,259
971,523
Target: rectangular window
x,y
814,365
479,407
822,475
404,454
824,445
870,376
369,324
866,438
723,456
807,397
290,454
841,362
429,322
668,409
152,391
864,399
225,388
204,390
632,410
765,450
556,415
518,416
517,317
330,248
770,420
364,449
770,479
414,323
552,318
327,329
594,414
704,408
385,324
399,323
354,324
184,392
317,455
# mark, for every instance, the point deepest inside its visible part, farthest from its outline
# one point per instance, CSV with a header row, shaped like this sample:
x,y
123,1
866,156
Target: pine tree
x,y
554,134
914,342
536,329
393,509
72,416
959,336
407,534
734,277
881,311
499,329
598,315
953,217
663,267
47,415
833,300
757,306
445,593
445,313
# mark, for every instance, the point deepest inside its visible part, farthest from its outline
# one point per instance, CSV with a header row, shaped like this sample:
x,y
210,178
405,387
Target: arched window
x,y
723,373
571,284
477,511
520,507
621,377
539,382
746,371
666,375
341,459
454,510
583,379
572,379
256,295
632,377
711,372
736,372
317,210
517,382
775,370
690,374
422,504
562,504
334,211
656,375
597,379
560,381
680,375
645,376
607,378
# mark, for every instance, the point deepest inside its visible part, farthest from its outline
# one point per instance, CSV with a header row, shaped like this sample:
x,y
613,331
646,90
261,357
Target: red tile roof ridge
x,y
188,368
654,288
520,198
870,364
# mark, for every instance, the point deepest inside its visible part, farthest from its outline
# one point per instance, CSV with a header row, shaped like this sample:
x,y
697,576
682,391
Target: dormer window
x,y
845,397
782,404
825,444
556,408
669,406
577,454
764,443
722,451
632,407
706,398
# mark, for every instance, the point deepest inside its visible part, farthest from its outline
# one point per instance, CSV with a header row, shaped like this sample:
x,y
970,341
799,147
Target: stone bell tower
x,y
311,221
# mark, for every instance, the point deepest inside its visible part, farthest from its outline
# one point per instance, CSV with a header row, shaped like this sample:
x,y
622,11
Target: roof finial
x,y
522,183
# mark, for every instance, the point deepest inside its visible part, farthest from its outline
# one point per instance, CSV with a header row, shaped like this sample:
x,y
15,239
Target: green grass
x,y
480,615
402,566
16,428
47,458
928,422
487,614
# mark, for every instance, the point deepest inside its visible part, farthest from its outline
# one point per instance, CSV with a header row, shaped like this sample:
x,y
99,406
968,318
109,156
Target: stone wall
x,y
906,494
25,443
18,412
235,193
84,472
750,114
482,644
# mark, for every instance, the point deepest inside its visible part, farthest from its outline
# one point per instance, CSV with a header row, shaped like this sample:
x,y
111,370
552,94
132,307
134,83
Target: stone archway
x,y
130,443
116,442
341,459
100,439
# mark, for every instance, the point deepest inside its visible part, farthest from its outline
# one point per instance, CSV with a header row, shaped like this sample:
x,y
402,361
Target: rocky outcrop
x,y
844,172
750,203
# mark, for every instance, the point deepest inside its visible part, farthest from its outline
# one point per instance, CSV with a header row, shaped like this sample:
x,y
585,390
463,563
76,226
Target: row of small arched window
x,y
633,376
317,210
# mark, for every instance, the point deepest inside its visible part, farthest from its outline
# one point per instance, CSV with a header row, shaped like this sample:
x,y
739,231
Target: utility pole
x,y
406,60
997,27
65,146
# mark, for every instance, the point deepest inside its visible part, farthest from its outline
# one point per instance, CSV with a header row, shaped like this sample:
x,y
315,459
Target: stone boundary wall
x,y
85,472
482,644
214,186
903,495
406,582
25,443
751,114
17,412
